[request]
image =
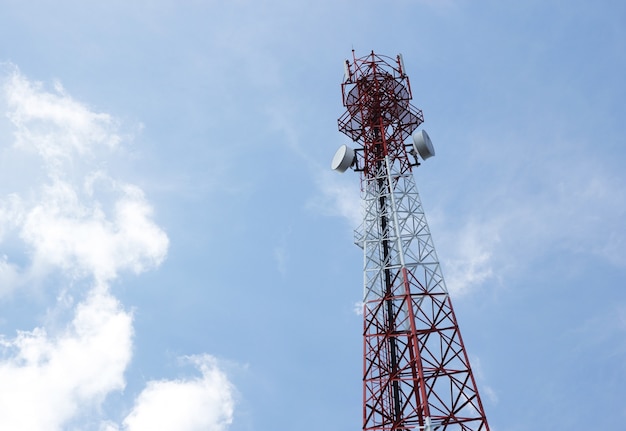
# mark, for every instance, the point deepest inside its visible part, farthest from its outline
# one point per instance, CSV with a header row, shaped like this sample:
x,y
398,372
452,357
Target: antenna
x,y
423,144
401,62
343,159
346,72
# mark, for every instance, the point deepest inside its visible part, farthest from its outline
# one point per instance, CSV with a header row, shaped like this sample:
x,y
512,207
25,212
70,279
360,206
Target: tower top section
x,y
376,92
379,116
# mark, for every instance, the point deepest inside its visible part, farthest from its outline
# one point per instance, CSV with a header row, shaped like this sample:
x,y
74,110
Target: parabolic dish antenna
x,y
423,144
343,159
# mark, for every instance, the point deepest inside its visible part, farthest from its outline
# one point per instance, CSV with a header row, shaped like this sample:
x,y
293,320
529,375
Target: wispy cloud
x,y
339,196
54,125
470,262
527,209
281,257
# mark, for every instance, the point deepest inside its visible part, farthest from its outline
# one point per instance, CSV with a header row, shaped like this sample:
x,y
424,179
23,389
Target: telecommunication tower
x,y
416,372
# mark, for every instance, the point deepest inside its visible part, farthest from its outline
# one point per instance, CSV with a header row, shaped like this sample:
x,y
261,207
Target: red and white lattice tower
x,y
416,372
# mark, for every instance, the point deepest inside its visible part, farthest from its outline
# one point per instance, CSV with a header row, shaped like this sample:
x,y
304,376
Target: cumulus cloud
x,y
205,403
77,235
64,222
64,226
48,378
78,221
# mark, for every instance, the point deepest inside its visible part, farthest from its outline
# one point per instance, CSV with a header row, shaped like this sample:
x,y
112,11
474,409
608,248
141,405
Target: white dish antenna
x,y
423,144
343,159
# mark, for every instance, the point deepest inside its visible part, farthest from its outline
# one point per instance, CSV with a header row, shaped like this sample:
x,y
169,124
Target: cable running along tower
x,y
416,372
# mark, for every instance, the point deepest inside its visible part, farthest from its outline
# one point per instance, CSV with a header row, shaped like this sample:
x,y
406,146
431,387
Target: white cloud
x,y
357,307
553,209
85,224
75,234
54,125
603,326
281,257
339,197
108,426
468,259
491,394
484,389
49,378
78,220
205,403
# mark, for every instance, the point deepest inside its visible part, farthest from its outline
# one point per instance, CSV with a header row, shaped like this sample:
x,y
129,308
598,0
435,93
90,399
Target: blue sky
x,y
175,252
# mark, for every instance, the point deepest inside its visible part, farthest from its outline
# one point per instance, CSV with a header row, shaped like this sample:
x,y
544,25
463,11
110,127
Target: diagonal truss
x,y
416,373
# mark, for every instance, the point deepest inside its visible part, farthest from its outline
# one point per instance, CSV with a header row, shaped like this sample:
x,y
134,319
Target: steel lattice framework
x,y
416,372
